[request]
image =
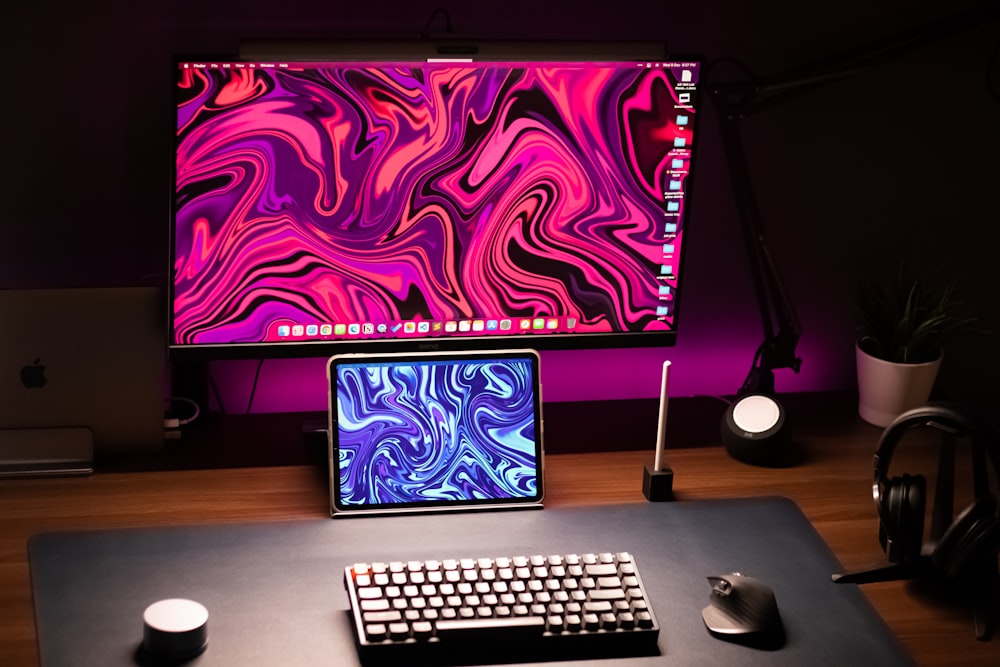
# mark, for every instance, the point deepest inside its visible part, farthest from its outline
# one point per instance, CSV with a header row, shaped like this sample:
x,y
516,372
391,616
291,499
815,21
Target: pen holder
x,y
657,485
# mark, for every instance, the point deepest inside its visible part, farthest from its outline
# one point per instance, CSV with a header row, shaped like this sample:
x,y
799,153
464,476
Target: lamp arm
x,y
763,93
734,101
778,317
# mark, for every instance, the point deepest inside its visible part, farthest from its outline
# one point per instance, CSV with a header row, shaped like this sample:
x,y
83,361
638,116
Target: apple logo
x,y
33,375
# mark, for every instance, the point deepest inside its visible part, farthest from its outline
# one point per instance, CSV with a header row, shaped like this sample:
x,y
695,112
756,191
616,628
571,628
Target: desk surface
x,y
831,484
275,593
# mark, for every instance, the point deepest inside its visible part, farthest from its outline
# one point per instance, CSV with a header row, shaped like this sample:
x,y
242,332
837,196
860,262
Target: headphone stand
x,y
984,590
986,613
892,572
982,585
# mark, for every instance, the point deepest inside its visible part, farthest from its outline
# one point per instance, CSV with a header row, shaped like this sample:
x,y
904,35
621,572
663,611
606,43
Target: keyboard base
x,y
594,646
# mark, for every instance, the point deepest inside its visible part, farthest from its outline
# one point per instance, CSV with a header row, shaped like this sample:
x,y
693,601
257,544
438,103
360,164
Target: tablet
x,y
435,431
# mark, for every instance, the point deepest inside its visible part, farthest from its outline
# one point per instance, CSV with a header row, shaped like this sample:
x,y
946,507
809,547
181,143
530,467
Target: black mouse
x,y
743,609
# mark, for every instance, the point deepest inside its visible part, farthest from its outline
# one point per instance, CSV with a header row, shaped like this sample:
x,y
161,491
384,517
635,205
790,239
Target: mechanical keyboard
x,y
488,610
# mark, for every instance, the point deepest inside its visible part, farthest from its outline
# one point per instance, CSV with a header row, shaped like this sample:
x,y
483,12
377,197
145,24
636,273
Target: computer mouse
x,y
742,608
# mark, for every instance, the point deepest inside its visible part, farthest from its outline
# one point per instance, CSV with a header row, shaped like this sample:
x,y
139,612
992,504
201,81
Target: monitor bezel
x,y
403,50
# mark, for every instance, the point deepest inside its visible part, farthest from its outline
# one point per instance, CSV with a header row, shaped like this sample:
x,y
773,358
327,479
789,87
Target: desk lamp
x,y
754,428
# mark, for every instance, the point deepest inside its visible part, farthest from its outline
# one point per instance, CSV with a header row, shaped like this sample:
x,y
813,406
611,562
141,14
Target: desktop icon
x,y
284,330
325,329
353,328
382,328
538,323
367,328
396,327
664,290
525,323
552,323
684,98
570,322
670,228
451,326
675,186
492,325
478,325
312,329
668,248
662,311
298,330
409,327
437,326
339,329
423,327
667,270
685,76
505,325
464,326
682,119
680,142
677,163
673,206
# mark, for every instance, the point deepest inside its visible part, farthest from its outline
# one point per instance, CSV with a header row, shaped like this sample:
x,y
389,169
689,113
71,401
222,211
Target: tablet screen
x,y
432,431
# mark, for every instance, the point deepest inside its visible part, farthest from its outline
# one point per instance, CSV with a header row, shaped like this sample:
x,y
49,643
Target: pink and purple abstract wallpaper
x,y
356,202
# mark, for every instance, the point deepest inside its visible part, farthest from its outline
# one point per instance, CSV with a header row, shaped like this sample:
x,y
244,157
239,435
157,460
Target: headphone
x,y
974,535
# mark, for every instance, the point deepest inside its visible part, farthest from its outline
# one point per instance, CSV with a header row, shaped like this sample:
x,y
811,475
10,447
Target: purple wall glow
x,y
842,174
709,369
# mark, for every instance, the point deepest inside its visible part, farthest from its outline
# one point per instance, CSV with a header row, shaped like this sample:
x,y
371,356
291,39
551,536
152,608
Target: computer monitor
x,y
430,198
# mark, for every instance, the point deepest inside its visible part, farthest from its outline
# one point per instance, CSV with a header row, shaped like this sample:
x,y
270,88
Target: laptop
x,y
435,431
81,359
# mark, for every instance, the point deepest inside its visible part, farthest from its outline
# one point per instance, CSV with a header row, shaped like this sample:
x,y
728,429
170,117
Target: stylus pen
x,y
661,422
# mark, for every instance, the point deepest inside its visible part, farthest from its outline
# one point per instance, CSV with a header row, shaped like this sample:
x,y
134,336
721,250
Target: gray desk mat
x,y
275,591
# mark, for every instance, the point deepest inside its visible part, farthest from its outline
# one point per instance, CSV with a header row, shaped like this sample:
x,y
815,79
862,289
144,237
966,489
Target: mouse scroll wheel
x,y
720,585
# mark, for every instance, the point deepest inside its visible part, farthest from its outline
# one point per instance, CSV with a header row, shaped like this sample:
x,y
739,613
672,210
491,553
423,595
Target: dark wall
x,y
897,161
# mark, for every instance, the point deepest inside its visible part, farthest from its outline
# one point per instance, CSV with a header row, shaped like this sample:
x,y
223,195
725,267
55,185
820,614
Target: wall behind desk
x,y
898,160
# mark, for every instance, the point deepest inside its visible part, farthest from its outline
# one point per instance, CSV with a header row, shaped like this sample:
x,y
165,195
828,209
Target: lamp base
x,y
754,430
657,485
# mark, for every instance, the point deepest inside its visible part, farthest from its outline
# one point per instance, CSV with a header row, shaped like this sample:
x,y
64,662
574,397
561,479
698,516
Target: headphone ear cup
x,y
972,539
901,531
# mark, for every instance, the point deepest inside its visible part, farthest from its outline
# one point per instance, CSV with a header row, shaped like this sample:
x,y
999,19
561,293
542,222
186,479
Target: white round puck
x,y
175,629
756,414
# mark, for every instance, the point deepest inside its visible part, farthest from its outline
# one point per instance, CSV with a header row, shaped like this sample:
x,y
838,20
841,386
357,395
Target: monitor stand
x,y
46,452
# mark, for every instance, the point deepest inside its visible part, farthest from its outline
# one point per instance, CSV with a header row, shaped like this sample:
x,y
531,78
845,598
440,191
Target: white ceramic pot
x,y
887,389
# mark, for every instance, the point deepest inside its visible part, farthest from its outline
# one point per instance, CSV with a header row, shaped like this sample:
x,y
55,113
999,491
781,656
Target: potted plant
x,y
902,330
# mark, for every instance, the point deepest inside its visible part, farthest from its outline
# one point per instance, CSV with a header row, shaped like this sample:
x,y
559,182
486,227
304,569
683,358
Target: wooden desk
x,y
832,485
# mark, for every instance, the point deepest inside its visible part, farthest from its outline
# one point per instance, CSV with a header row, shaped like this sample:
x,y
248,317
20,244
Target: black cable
x,y
992,76
215,392
253,387
750,380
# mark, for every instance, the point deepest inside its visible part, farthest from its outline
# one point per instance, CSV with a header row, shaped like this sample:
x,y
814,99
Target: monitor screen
x,y
430,204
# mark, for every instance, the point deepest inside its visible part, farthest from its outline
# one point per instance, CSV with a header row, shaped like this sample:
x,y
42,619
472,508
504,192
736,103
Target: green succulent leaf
x,y
905,321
